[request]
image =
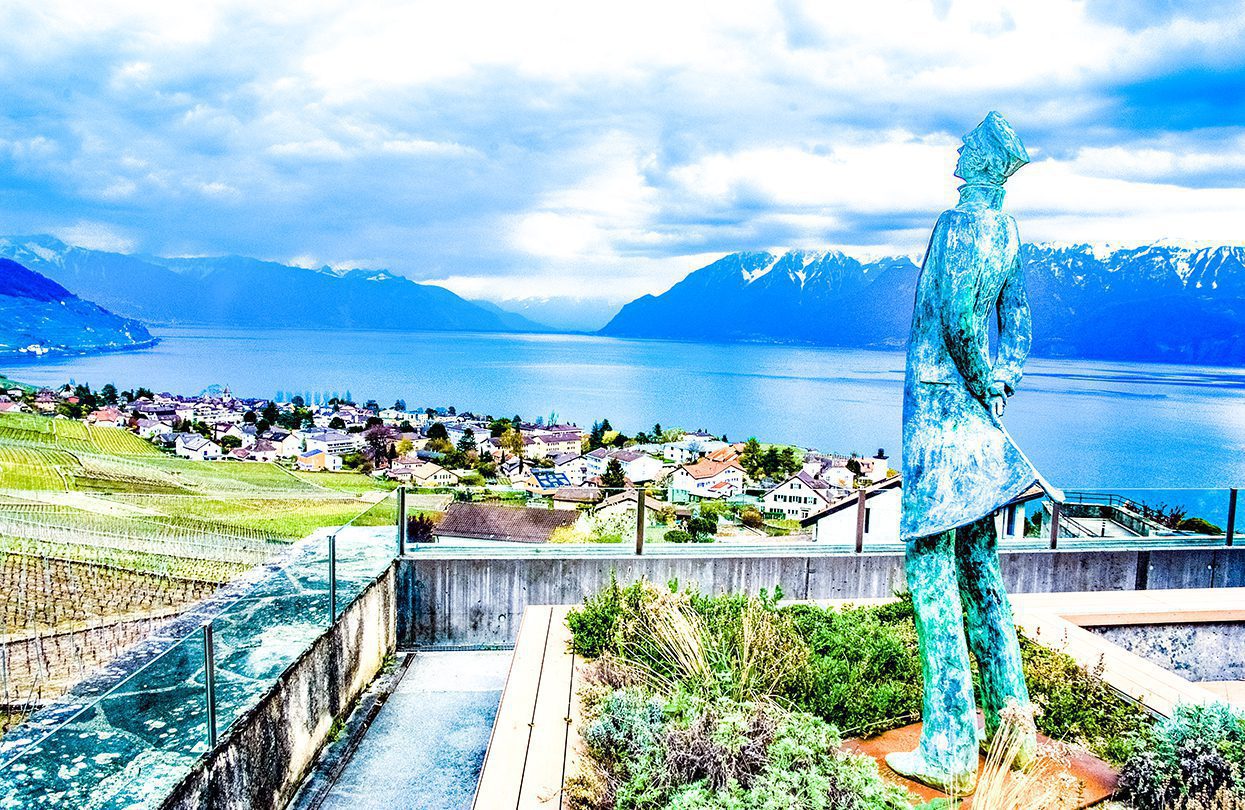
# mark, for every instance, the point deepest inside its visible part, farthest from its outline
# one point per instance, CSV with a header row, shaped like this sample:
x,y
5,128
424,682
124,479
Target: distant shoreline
x,y
59,353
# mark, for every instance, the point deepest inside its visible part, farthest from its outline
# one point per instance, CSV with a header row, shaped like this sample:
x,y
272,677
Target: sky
x,y
598,151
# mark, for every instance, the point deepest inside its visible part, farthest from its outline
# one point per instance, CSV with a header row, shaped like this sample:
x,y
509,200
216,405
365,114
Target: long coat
x,y
959,463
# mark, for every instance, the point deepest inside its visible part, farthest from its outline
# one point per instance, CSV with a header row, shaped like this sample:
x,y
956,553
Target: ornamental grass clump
x,y
1194,758
742,649
1043,783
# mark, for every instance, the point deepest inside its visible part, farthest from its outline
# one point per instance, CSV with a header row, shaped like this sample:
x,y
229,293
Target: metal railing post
x,y
401,521
1231,530
861,496
639,523
332,578
209,682
1055,509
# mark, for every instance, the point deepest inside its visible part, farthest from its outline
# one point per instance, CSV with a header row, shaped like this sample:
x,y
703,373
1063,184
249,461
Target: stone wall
x,y
472,601
262,758
1201,651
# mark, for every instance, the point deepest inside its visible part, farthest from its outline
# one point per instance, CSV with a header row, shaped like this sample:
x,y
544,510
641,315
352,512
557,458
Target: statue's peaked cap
x,y
996,135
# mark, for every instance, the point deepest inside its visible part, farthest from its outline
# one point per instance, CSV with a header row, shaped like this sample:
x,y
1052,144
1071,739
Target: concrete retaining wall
x,y
263,757
473,601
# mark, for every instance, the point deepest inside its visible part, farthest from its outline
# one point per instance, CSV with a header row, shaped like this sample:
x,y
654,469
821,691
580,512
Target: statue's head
x,y
991,153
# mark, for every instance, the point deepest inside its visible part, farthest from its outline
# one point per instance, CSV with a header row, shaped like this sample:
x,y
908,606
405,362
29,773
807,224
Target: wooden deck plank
x,y
502,775
546,748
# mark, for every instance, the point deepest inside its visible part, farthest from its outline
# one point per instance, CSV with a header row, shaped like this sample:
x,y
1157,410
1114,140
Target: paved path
x,y
425,748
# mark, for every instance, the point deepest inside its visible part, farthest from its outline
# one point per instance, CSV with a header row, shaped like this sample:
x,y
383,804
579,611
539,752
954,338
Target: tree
x,y
298,401
230,442
109,394
337,423
378,443
373,421
371,405
437,431
750,459
468,442
451,411
406,427
270,413
702,527
420,528
404,446
614,477
250,417
512,440
262,426
399,405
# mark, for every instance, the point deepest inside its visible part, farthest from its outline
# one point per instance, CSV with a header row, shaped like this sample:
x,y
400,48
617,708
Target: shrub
x,y
678,536
568,534
1077,705
725,743
593,626
1199,525
752,518
1196,755
865,673
703,525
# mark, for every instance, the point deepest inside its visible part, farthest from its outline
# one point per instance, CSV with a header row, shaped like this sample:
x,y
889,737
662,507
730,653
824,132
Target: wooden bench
x,y
534,743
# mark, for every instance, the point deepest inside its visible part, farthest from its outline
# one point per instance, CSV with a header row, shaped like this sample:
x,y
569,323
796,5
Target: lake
x,y
1084,423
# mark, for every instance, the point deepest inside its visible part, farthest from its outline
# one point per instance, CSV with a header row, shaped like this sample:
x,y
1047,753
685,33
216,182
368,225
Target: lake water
x,y
1084,423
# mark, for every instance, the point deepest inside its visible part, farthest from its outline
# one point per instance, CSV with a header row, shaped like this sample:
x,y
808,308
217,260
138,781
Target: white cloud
x,y
94,235
599,149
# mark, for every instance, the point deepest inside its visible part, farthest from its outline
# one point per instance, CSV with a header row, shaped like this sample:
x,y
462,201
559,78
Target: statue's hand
x,y
998,400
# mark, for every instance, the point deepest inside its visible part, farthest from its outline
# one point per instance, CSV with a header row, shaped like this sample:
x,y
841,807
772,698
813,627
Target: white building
x,y
195,447
836,525
707,479
802,495
330,441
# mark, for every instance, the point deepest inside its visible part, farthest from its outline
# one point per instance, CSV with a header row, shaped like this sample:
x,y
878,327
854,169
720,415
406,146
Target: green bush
x,y
593,626
865,672
1189,757
1199,525
700,526
678,536
1078,706
752,518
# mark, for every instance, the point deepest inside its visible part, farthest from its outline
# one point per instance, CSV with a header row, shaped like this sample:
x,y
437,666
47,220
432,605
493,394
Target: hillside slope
x,y
40,317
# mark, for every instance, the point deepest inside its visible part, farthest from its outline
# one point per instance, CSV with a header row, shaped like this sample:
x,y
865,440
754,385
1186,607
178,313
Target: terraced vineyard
x,y
102,534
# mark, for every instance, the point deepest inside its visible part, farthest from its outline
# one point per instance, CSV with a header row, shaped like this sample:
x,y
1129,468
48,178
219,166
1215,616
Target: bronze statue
x,y
960,466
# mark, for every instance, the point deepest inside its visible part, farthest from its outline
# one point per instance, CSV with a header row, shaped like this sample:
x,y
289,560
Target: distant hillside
x,y
239,291
39,316
1154,303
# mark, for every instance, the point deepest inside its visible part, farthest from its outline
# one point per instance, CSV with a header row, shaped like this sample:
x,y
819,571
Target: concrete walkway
x,y
425,748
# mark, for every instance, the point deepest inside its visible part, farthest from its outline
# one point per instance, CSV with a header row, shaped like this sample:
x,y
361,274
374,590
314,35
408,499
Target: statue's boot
x,y
914,766
1026,753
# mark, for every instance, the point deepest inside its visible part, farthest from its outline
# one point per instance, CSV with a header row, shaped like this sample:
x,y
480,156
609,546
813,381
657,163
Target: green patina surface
x,y
960,465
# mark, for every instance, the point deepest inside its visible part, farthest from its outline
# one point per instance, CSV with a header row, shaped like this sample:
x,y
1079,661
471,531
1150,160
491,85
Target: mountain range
x,y
1151,303
244,292
40,317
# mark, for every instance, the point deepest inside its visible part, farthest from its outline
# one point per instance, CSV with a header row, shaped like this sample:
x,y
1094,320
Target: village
x,y
579,485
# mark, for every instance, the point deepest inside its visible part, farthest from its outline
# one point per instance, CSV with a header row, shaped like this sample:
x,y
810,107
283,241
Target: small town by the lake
x,y
772,406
